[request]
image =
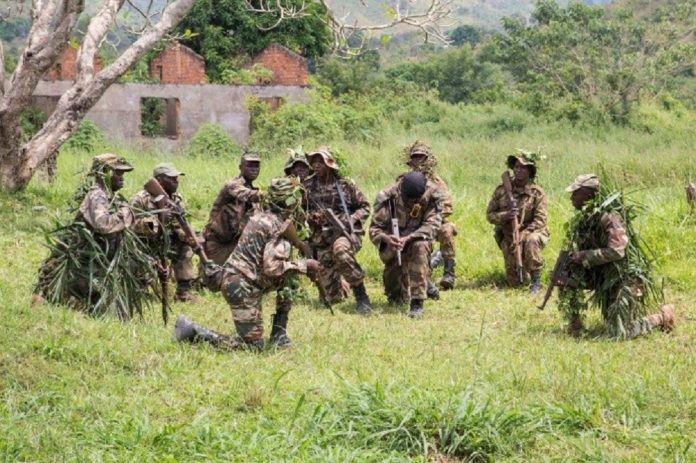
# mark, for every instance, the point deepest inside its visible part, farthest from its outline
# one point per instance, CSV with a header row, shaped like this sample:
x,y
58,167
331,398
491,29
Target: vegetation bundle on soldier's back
x,y
623,289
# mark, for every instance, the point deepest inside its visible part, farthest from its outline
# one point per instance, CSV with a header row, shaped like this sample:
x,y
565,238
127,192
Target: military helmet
x,y
250,156
526,158
285,192
110,160
295,155
326,156
418,148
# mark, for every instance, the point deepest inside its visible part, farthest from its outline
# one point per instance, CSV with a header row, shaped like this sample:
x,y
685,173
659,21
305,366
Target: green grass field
x,y
484,376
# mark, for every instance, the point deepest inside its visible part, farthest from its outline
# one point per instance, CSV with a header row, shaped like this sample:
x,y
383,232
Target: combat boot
x,y
416,308
664,319
279,335
447,281
186,330
432,292
535,285
364,307
183,291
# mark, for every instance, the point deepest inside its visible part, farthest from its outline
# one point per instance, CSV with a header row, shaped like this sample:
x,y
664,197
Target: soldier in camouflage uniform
x,y
260,263
236,202
166,238
590,263
531,213
420,158
413,202
329,193
297,165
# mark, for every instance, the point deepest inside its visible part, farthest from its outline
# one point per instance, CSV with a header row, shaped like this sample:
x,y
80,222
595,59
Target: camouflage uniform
x,y
174,244
261,262
237,201
333,250
533,209
614,242
98,212
421,221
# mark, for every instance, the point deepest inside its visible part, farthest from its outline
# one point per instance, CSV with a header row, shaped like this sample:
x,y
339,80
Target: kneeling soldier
x,y
410,204
259,263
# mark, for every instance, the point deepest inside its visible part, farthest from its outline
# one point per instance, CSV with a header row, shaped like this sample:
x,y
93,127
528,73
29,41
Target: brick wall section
x,y
178,64
65,67
288,67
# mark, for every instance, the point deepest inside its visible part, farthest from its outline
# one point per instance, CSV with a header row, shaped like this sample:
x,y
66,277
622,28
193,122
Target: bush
x,y
211,140
88,137
31,121
256,75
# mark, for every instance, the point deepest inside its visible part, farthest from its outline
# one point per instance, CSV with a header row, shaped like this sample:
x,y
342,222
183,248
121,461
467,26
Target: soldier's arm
x,y
445,202
540,213
144,224
240,192
493,213
432,222
358,203
380,225
95,210
276,259
617,240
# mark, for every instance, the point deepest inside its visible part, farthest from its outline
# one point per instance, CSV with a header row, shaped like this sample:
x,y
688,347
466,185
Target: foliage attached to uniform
x,y
98,274
624,289
429,164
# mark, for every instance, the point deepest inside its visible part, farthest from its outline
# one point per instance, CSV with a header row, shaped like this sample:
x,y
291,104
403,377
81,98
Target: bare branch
x,y
276,8
96,31
2,71
13,8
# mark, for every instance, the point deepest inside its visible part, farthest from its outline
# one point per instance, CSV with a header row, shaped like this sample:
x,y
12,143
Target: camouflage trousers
x,y
532,245
410,279
217,251
181,257
446,239
338,267
244,299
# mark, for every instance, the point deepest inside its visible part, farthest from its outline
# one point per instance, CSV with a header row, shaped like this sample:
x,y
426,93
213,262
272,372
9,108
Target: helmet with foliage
x,y
420,150
526,158
285,192
295,155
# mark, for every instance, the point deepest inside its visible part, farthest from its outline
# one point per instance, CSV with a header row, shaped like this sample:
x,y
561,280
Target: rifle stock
x,y
559,269
507,185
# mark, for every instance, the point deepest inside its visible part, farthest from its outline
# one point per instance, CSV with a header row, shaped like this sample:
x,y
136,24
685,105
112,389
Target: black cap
x,y
413,185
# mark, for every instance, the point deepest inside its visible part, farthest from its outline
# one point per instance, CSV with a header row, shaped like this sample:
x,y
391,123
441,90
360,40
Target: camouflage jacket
x,y
422,220
531,203
326,196
236,202
441,193
616,241
149,225
263,254
104,215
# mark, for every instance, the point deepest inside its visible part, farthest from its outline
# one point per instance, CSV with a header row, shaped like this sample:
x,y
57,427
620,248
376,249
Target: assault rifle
x,y
512,204
395,227
560,276
335,222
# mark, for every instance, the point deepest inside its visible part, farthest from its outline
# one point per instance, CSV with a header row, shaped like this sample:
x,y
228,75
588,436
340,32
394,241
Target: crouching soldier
x,y
608,260
163,234
259,263
410,205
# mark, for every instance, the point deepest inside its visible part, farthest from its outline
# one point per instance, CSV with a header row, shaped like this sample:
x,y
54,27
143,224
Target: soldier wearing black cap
x,y
163,233
412,201
237,201
531,213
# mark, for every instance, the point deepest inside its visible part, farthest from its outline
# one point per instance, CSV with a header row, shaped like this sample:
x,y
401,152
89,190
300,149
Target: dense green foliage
x,y
88,137
31,121
226,33
212,141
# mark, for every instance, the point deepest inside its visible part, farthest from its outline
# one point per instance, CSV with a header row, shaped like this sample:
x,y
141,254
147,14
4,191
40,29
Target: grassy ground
x,y
483,376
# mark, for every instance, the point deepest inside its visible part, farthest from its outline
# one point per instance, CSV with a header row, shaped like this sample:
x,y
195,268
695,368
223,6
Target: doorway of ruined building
x,y
159,117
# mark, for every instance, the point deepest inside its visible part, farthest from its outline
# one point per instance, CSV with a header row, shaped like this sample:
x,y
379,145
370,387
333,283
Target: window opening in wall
x,y
160,73
159,117
59,71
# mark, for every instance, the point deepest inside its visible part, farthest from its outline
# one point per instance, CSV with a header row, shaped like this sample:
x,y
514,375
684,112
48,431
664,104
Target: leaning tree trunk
x,y
19,161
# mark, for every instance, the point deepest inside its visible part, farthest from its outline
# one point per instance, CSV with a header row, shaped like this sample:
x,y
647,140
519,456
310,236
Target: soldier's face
x,y
417,160
522,172
250,169
321,169
300,170
116,180
580,196
170,184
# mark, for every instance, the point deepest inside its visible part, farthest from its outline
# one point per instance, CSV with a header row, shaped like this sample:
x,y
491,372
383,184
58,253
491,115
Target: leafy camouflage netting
x,y
623,290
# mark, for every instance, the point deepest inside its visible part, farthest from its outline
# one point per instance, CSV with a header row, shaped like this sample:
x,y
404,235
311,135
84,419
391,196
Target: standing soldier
x,y
162,231
93,258
297,164
236,202
520,212
608,260
421,159
260,263
405,223
337,211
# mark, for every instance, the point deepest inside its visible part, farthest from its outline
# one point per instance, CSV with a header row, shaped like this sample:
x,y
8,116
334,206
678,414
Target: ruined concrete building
x,y
168,112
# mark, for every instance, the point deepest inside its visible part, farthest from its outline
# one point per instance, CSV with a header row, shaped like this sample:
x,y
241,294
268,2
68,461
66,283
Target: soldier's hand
x,y
510,215
577,257
313,267
162,272
191,241
392,241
